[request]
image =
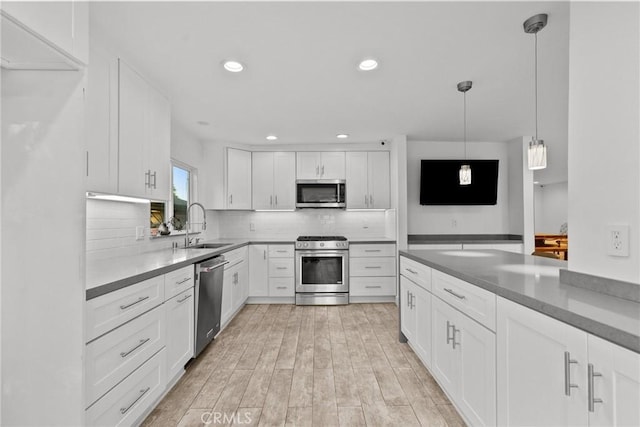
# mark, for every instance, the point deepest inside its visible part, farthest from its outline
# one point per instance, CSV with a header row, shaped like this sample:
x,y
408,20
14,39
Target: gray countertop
x,y
534,282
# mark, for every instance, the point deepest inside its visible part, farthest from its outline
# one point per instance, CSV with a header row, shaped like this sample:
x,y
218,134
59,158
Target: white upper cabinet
x,y
238,179
144,137
320,165
368,180
45,35
273,176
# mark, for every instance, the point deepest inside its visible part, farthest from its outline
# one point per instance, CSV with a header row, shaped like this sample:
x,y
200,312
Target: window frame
x,y
193,180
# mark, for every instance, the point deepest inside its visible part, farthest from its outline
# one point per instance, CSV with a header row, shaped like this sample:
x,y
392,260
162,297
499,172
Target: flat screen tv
x,y
440,183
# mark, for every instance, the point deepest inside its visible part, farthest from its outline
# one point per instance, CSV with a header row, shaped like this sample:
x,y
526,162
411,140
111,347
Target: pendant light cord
x,y
465,124
536,82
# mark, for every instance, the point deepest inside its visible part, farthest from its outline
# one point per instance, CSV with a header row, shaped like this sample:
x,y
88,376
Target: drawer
x,y
416,272
113,356
475,302
281,251
111,310
281,267
372,286
357,250
178,281
281,287
129,400
236,256
374,266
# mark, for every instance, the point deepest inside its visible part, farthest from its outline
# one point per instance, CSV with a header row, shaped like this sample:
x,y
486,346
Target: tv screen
x,y
440,183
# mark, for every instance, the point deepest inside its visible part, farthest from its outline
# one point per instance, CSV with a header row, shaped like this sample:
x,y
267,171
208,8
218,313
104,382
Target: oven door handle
x,y
323,253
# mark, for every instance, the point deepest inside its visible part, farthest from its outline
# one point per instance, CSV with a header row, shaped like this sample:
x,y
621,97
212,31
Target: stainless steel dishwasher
x,y
208,292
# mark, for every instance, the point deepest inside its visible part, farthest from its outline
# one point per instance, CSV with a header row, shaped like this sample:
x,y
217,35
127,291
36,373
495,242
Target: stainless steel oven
x,y
322,270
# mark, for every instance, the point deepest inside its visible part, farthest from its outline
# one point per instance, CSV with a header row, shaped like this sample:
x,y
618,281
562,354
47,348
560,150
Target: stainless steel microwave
x,y
320,193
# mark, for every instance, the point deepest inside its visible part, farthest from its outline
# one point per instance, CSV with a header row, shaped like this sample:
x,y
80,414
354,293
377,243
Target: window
x,y
174,213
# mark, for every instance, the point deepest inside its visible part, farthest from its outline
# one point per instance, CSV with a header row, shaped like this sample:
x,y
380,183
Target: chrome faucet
x,y
187,241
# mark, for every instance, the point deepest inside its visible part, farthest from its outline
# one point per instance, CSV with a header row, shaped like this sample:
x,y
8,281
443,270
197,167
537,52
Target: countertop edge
x,y
599,329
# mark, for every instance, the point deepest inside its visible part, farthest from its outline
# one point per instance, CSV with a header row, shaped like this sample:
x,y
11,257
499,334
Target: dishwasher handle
x,y
213,267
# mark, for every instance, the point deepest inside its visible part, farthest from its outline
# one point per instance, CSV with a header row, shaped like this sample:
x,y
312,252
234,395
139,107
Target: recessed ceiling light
x,y
342,135
368,64
272,137
202,123
536,182
233,66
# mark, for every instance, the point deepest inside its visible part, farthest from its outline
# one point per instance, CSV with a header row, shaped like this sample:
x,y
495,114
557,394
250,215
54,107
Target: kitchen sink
x,y
209,245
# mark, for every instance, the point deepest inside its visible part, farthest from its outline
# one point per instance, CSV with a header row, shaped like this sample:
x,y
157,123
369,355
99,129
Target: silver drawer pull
x,y
186,279
411,271
186,297
455,331
282,252
373,266
141,343
281,287
124,307
142,393
590,375
372,250
567,373
373,287
455,294
281,268
449,326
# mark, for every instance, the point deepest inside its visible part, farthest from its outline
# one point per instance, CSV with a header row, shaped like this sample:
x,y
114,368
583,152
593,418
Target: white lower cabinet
x,y
179,313
258,270
416,318
271,271
372,270
407,313
235,286
127,402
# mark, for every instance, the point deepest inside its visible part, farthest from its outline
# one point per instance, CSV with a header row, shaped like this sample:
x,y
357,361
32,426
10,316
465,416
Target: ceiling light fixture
x,y
537,149
272,138
202,123
368,64
465,169
342,136
233,66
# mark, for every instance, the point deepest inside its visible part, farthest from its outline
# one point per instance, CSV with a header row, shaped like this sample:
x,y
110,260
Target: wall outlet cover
x,y
139,232
618,240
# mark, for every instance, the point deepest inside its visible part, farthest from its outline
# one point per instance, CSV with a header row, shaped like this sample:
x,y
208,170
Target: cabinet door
x,y
379,180
102,122
180,332
407,313
157,150
422,341
307,165
133,178
477,389
228,285
238,179
445,361
357,180
531,367
284,181
332,165
617,385
262,180
242,286
258,271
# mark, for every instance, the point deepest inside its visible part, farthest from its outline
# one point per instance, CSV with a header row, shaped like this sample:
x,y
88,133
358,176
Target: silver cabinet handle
x,y
449,325
370,200
590,375
147,179
317,170
276,200
455,294
264,254
281,287
270,200
372,250
373,287
567,373
413,298
408,300
142,393
124,307
322,174
154,180
230,199
140,344
186,297
455,331
372,266
186,279
366,201
411,271
281,251
281,268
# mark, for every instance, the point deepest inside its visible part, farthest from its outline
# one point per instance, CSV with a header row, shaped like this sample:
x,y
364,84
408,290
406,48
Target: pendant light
x,y
537,149
465,169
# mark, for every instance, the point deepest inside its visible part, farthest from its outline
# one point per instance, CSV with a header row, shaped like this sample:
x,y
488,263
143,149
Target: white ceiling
x,y
301,80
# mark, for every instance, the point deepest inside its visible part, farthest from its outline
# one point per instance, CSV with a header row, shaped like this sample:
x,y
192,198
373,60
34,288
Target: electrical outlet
x,y
252,227
454,223
618,240
139,232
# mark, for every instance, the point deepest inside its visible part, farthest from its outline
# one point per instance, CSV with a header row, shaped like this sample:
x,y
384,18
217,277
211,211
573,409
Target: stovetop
x,y
322,243
321,239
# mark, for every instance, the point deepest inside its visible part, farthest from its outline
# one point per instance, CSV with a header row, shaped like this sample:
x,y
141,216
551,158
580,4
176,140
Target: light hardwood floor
x,y
277,365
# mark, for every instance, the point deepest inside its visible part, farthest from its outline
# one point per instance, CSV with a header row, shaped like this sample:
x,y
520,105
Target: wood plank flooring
x,y
286,365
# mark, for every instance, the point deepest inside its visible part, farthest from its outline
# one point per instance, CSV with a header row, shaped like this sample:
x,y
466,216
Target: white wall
x,y
468,219
604,130
43,248
551,209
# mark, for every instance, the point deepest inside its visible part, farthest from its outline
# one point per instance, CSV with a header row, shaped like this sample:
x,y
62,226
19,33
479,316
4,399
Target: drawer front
x,y
178,281
235,256
281,287
113,356
473,301
416,272
281,267
374,266
126,402
357,250
109,311
372,286
281,251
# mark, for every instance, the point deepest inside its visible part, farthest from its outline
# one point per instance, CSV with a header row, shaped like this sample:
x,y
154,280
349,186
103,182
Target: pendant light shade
x,y
537,152
465,170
